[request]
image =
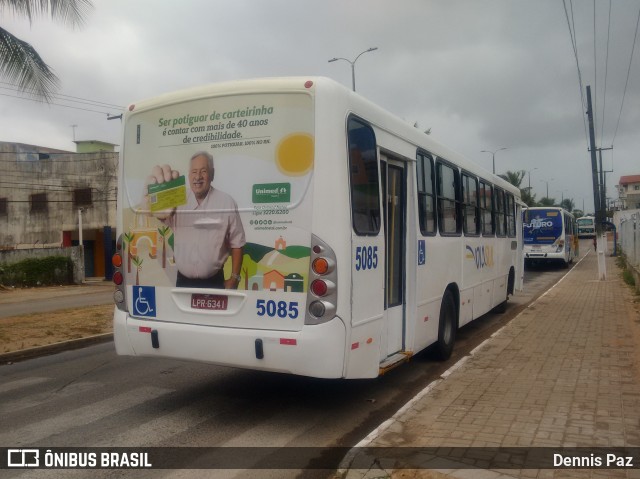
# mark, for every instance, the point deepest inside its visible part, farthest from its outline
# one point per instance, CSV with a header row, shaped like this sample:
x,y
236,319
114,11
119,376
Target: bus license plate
x,y
212,302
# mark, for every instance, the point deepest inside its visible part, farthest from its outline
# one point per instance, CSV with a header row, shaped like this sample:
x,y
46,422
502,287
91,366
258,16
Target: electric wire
x,y
574,45
61,96
626,84
606,72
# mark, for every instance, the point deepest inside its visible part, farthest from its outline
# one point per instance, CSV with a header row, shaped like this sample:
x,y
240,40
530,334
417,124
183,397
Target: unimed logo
x,y
23,458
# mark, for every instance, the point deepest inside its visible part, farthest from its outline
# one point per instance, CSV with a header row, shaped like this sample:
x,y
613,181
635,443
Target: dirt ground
x,y
42,329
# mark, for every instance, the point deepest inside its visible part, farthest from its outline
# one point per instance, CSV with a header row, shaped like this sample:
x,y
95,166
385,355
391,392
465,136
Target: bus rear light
x,y
118,296
320,266
323,283
323,266
321,311
116,260
317,309
319,287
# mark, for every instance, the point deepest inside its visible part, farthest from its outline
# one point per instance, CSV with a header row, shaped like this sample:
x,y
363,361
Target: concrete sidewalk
x,y
565,373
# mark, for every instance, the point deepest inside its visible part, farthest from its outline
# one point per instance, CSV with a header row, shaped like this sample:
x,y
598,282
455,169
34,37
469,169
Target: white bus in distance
x,y
550,235
365,241
586,227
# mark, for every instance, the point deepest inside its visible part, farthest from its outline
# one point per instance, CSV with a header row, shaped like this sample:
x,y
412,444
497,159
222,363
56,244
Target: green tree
x,y
568,204
20,63
547,202
528,198
514,177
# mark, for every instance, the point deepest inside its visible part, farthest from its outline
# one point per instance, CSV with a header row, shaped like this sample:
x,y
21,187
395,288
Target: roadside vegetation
x,y
53,270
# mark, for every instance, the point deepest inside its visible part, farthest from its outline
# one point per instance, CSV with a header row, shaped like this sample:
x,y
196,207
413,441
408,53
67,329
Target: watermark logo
x,y
23,458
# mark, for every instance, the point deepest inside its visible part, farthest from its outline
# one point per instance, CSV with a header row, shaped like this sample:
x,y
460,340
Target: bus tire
x,y
447,326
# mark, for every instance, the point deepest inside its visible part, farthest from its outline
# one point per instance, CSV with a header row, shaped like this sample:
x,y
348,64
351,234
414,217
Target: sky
x,y
480,74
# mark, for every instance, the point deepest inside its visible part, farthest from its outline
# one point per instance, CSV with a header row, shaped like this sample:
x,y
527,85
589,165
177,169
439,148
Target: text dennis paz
x,y
593,460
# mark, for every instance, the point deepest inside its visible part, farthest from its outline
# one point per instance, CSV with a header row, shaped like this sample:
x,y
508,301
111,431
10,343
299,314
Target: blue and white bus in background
x,y
586,227
550,235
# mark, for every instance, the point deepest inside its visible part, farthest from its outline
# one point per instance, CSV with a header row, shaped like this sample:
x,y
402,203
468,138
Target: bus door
x,y
394,203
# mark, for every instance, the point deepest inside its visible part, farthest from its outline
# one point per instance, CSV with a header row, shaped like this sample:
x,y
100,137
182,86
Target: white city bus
x,y
586,227
550,235
366,241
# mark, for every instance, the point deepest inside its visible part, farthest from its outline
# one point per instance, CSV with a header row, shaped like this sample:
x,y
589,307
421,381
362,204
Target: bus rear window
x,y
541,226
364,177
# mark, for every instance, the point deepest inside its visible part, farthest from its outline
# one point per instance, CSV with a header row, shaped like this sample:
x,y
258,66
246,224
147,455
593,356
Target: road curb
x,y
30,353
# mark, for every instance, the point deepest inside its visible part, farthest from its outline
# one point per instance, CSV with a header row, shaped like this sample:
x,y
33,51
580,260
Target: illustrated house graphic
x,y
256,282
294,283
273,281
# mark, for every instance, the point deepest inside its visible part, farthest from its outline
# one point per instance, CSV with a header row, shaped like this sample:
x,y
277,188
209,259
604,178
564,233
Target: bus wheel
x,y
446,327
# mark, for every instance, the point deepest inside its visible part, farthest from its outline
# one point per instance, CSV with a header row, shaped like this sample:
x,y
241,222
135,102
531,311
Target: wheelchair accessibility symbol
x,y
422,252
144,301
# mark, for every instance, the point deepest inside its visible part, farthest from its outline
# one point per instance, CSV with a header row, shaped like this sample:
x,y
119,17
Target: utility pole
x,y
603,185
602,271
594,163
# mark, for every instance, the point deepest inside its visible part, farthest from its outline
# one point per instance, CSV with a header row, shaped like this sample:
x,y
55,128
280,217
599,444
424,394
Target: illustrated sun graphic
x,y
294,154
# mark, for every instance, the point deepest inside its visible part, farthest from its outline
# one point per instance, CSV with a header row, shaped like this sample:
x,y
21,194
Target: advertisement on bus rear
x,y
541,226
214,195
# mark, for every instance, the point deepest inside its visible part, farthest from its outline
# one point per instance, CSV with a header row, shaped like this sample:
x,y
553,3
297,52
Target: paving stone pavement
x,y
563,377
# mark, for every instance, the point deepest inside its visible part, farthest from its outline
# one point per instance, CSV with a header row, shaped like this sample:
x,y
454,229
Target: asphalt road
x,y
92,397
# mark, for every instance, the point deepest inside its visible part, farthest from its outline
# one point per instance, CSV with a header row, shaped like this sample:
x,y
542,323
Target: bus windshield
x,y
542,226
585,221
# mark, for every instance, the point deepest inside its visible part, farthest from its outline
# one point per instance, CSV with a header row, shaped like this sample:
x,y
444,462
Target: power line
x,y
606,73
595,67
62,96
574,44
633,46
56,104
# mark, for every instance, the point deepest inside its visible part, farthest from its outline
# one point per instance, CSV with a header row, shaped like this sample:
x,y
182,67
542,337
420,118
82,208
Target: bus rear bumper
x,y
316,350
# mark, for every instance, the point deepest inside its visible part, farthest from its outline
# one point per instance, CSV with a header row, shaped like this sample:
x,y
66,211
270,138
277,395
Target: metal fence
x,y
629,239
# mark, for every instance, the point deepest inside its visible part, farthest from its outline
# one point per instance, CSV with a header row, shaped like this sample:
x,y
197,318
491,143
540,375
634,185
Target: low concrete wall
x,y
74,252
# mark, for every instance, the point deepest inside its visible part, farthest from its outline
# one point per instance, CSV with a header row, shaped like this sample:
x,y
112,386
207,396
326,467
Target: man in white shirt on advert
x,y
207,229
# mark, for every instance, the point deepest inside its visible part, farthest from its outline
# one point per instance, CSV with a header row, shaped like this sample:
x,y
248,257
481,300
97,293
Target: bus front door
x,y
394,195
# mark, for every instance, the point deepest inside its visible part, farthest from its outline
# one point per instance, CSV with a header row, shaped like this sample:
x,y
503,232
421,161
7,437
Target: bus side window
x,y
486,206
449,214
426,195
511,216
364,178
470,206
500,215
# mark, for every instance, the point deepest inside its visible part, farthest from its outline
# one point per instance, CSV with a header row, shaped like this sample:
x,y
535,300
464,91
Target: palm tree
x,y
163,231
514,177
138,262
127,238
19,61
528,198
547,202
568,204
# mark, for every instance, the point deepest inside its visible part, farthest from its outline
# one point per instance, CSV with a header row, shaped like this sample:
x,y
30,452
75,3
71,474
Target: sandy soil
x,y
41,329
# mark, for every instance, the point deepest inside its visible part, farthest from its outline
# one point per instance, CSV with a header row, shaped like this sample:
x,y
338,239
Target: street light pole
x,y
547,182
529,171
353,64
493,157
